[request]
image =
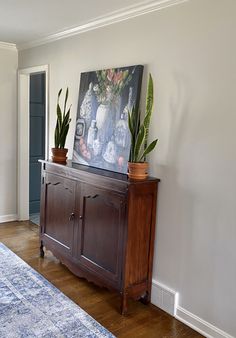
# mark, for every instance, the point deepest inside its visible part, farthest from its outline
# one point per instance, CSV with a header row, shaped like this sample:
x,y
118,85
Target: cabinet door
x,y
58,217
102,224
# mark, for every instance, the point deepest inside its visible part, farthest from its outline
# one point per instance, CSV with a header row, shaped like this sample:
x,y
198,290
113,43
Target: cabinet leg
x,y
41,249
124,304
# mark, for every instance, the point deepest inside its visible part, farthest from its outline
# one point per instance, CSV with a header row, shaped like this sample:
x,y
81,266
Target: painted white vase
x,y
89,106
102,114
104,122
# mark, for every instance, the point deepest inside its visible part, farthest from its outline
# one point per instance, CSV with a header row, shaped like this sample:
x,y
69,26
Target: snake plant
x,y
139,131
63,122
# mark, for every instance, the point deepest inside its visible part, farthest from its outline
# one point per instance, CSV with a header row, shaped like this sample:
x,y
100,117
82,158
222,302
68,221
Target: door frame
x,y
24,134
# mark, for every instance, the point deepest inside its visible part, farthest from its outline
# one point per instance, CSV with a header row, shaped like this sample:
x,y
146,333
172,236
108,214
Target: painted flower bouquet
x,y
110,84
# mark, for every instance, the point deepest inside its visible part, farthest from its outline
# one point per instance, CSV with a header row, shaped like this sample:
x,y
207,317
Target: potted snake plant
x,y
59,152
140,148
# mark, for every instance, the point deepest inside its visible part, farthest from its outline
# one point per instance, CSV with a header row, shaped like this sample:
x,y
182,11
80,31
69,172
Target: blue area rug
x,y
31,307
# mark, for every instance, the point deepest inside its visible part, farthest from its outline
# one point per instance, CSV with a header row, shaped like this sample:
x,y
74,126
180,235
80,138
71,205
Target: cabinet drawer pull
x,y
80,217
72,216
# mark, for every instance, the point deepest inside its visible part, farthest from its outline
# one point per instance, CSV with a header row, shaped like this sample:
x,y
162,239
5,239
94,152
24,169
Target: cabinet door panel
x,y
101,231
59,210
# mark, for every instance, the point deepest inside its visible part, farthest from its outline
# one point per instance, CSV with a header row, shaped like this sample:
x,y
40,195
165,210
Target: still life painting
x,y
102,137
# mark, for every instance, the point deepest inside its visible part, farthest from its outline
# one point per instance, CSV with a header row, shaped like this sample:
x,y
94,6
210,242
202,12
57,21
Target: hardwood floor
x,y
141,320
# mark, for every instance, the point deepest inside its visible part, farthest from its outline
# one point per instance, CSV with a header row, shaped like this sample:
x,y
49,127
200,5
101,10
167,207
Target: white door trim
x,y
23,135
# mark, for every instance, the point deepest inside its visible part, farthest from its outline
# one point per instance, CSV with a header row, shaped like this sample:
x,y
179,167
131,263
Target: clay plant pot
x,y
59,155
138,171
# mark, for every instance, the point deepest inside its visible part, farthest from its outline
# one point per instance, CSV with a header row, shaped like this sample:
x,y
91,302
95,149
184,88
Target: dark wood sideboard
x,y
101,225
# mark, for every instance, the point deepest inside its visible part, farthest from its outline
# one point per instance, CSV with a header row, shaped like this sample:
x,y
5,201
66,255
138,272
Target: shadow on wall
x,y
175,234
184,225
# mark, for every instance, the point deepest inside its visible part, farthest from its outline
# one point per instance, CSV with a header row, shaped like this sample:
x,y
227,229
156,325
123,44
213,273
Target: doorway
x,y
36,141
32,138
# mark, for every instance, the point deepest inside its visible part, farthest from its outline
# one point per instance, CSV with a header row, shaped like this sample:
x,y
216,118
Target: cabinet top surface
x,y
96,171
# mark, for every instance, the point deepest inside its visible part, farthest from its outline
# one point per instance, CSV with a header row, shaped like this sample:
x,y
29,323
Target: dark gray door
x,y
37,138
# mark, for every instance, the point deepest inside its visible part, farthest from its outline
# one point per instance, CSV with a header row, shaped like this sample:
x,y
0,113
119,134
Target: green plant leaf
x,y
149,97
149,108
58,95
64,129
148,150
131,129
59,116
139,142
65,120
137,121
56,136
66,98
64,135
134,124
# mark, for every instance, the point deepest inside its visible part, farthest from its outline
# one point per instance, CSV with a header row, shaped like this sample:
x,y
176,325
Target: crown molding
x,y
7,45
126,13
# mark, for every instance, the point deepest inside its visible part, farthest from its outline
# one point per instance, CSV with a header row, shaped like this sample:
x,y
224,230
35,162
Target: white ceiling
x,y
27,23
23,21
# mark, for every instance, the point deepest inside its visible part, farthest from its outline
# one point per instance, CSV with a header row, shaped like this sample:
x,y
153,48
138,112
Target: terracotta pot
x,y
59,155
138,171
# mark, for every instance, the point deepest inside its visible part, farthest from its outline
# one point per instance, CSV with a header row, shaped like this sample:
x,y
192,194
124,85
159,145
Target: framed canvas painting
x,y
102,137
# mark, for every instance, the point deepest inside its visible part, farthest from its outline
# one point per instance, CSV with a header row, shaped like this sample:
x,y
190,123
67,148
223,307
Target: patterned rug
x,y
32,307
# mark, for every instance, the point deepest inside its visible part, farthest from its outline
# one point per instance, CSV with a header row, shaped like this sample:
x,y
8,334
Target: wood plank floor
x,y
103,305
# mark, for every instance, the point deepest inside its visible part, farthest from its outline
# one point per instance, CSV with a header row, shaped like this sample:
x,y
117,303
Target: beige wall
x,y
8,133
190,51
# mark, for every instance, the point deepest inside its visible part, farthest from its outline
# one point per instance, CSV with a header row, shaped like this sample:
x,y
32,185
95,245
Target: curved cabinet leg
x,y
124,303
41,250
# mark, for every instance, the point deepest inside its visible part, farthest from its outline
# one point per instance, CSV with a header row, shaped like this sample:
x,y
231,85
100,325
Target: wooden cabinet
x,y
101,226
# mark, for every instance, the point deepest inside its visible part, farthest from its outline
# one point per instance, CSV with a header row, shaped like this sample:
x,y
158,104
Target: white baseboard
x,y
167,300
198,324
164,298
8,218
